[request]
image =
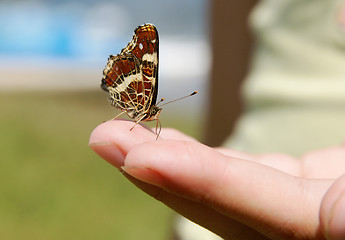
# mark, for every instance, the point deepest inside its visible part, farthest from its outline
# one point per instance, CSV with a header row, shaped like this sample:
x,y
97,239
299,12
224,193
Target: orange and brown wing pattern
x,y
131,77
145,41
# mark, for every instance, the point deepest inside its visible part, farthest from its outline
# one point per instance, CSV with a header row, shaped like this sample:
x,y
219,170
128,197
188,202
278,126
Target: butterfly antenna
x,y
162,99
189,95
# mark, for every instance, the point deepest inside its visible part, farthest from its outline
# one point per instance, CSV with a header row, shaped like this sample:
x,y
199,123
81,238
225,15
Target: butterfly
x,y
131,77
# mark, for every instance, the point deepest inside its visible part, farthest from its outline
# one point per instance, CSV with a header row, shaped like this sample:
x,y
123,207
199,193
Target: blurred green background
x,y
52,54
54,187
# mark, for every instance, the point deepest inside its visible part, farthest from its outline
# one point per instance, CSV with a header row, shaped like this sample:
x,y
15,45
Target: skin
x,y
233,194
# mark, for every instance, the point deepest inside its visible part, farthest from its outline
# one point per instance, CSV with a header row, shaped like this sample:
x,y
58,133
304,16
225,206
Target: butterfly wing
x,y
131,78
145,46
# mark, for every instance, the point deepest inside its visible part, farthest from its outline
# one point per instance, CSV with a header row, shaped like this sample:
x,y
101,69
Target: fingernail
x,y
110,152
336,222
144,174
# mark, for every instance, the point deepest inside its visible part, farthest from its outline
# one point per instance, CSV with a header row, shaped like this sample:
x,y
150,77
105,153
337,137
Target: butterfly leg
x,y
137,122
118,115
160,128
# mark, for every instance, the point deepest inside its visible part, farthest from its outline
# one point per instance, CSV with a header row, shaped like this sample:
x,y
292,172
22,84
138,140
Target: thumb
x,y
332,212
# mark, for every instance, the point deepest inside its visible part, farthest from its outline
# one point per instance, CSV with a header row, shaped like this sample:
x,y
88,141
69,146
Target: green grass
x,y
52,186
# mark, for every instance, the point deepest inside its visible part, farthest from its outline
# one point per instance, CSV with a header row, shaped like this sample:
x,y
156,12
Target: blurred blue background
x,y
65,44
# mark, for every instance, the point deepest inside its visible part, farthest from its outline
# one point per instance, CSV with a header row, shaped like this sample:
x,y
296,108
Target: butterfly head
x,y
153,113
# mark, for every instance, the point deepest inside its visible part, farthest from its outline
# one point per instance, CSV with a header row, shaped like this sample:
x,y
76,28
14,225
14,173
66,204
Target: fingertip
x,y
146,175
109,152
112,140
118,131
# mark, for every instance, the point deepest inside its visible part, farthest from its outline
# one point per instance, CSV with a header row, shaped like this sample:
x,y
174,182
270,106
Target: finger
x,y
113,139
332,212
199,213
233,153
173,134
280,162
105,139
326,163
250,193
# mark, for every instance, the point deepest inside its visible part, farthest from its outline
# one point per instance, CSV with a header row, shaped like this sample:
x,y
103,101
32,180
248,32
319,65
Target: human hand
x,y
233,194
